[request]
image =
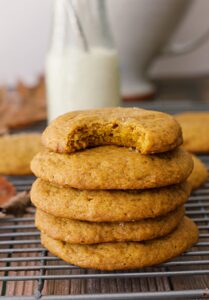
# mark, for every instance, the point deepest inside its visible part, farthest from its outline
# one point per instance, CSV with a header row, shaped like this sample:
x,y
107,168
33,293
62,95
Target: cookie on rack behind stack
x,y
117,205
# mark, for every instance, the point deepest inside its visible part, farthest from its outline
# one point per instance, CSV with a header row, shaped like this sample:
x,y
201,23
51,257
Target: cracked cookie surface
x,y
112,167
147,131
107,206
126,255
82,232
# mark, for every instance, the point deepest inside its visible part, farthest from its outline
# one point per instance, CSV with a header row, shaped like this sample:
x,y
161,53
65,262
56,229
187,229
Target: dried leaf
x,y
23,105
2,215
10,201
7,190
17,203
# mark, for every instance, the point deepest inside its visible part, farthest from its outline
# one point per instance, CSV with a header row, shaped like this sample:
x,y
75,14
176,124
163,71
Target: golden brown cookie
x,y
107,206
112,167
17,151
147,131
81,232
195,127
126,255
199,174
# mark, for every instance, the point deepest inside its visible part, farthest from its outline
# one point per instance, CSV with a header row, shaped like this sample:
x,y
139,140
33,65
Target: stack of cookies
x,y
111,188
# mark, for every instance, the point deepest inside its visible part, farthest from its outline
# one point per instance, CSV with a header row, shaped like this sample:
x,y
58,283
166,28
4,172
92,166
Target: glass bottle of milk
x,y
82,63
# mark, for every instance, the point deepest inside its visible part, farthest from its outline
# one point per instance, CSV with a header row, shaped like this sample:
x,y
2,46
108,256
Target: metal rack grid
x,y
24,260
29,271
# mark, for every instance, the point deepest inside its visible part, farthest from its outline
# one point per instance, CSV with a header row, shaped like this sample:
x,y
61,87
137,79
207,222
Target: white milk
x,y
81,80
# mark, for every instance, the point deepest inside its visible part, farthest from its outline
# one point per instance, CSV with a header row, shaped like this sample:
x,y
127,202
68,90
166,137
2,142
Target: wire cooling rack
x,y
29,271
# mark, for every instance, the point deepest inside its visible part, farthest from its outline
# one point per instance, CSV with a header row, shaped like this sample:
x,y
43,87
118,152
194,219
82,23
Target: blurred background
x,y
25,31
57,56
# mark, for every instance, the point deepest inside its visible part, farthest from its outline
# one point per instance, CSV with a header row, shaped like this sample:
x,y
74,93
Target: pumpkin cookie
x,y
17,151
147,131
107,206
195,127
126,255
112,167
199,174
80,232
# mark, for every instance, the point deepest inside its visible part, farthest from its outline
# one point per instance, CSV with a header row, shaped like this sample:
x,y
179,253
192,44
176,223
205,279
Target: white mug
x,y
142,29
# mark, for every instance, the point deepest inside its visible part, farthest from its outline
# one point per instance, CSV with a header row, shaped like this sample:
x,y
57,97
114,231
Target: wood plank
x,y
22,288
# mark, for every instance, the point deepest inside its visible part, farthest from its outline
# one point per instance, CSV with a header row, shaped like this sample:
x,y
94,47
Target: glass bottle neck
x,y
80,24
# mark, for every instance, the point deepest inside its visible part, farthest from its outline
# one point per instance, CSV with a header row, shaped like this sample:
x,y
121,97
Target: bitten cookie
x,y
125,255
199,174
195,127
147,131
80,232
17,151
112,167
107,206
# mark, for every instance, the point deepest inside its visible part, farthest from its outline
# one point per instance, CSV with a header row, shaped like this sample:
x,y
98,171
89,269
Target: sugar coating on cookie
x,y
112,167
195,127
199,174
107,206
126,255
17,151
81,232
147,131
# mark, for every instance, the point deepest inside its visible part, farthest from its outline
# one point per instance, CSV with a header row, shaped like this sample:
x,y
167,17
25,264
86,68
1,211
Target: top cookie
x,y
147,131
195,126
